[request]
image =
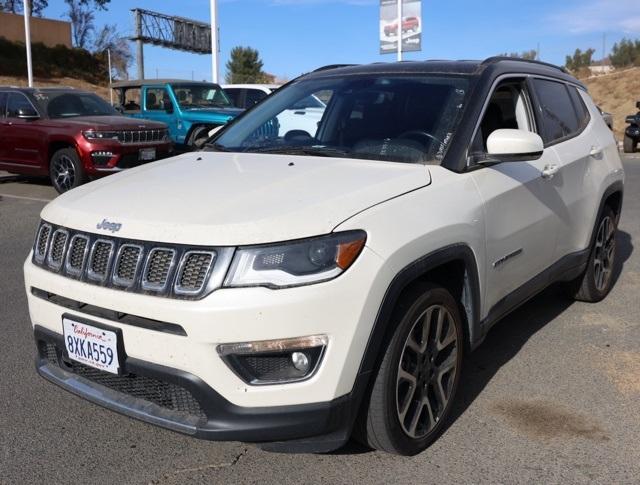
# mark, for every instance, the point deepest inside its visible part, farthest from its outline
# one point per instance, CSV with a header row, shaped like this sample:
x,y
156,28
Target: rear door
x,y
567,131
24,138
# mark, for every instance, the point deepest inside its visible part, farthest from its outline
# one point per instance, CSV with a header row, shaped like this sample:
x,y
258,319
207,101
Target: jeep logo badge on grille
x,y
109,226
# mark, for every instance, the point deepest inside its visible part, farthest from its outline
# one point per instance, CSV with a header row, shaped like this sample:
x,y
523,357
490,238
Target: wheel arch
x,y
455,268
56,144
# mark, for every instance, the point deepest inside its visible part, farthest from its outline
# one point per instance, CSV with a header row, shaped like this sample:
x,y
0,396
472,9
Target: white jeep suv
x,y
291,289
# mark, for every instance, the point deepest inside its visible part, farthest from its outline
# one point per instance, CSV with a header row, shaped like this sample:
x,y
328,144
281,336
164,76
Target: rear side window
x,y
234,96
559,118
16,102
254,96
581,109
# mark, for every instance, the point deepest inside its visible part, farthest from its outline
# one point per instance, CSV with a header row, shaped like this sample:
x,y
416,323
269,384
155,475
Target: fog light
x,y
274,361
101,157
300,361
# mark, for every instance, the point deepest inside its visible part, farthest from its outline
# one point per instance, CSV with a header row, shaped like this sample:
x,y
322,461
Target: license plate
x,y
147,154
92,346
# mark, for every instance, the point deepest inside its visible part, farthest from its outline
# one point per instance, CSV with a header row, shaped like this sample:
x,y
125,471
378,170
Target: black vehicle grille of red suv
x,y
142,136
174,271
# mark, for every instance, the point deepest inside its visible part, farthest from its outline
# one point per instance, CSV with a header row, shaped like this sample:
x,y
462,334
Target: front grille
x,y
175,271
142,136
164,394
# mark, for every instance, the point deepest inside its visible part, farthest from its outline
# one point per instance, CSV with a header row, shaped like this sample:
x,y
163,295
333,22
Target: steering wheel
x,y
411,133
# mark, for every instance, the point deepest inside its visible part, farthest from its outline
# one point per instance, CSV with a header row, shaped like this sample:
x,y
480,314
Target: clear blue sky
x,y
295,36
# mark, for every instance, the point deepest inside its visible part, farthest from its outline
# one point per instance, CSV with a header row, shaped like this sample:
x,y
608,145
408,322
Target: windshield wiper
x,y
319,151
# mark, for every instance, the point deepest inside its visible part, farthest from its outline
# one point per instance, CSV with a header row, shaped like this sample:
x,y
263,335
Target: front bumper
x,y
124,155
343,309
182,402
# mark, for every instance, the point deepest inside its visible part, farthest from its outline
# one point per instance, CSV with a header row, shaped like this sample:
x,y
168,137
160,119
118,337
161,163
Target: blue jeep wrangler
x,y
190,108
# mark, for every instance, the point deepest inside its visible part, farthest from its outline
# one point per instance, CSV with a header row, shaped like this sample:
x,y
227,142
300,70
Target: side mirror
x,y
507,145
638,104
27,114
167,105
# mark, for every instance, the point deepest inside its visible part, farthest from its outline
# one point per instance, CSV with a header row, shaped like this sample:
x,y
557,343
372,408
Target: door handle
x,y
549,171
595,152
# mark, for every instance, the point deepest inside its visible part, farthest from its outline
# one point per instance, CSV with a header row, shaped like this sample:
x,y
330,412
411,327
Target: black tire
x,y
66,171
198,134
629,144
597,280
394,403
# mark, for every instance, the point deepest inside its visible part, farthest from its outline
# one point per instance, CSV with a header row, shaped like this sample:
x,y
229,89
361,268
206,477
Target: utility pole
x,y
109,62
399,31
604,43
538,52
214,42
139,44
27,39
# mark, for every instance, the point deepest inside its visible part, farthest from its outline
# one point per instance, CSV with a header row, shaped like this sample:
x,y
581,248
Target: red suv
x,y
409,24
72,136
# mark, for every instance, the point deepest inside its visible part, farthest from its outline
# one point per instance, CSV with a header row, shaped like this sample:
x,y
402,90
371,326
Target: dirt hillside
x,y
102,91
616,93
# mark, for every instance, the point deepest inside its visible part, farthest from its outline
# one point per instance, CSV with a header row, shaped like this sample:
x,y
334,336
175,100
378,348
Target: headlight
x,y
296,263
100,135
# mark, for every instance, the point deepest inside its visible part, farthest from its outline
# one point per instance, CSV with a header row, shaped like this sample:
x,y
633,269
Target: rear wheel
x,y
66,171
596,281
629,144
417,380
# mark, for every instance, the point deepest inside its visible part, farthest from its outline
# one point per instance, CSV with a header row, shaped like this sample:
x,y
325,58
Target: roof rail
x,y
494,59
332,66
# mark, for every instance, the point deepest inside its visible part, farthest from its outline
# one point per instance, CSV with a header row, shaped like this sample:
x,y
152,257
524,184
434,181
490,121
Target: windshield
x,y
398,118
190,96
69,104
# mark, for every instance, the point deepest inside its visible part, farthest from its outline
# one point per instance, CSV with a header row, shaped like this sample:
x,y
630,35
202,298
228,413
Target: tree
x,y
121,57
579,60
531,55
15,6
81,17
245,66
626,53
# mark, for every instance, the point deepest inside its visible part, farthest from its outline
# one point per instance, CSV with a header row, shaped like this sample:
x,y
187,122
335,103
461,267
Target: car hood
x,y
112,123
229,199
210,114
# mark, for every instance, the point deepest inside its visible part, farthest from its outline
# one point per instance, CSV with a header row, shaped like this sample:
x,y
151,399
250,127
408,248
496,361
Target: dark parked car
x,y
72,136
632,133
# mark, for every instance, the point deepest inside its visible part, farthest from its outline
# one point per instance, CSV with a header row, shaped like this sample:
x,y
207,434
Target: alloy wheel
x,y
64,173
427,371
604,253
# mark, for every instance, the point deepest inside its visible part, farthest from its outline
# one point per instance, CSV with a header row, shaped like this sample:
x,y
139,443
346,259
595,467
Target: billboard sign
x,y
410,28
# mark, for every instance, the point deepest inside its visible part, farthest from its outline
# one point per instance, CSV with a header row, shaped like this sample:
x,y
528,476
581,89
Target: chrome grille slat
x,y
172,271
76,255
57,248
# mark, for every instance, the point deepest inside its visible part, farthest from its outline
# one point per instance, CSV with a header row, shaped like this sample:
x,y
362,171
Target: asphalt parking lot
x,y
552,396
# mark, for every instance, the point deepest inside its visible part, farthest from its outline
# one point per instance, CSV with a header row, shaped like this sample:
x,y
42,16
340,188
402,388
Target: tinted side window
x,y
581,109
559,118
254,96
157,98
16,102
3,104
234,96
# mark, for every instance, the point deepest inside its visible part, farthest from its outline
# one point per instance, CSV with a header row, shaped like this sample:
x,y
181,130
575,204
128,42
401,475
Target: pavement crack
x,y
239,456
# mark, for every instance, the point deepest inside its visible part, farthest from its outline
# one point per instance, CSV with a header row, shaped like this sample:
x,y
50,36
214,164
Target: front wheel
x,y
66,171
198,136
417,380
629,144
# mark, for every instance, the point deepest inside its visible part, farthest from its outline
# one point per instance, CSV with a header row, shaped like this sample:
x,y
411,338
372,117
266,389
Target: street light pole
x,y
399,31
27,39
214,41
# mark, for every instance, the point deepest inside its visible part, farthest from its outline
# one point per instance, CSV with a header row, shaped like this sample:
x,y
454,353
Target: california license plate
x,y
147,154
92,346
